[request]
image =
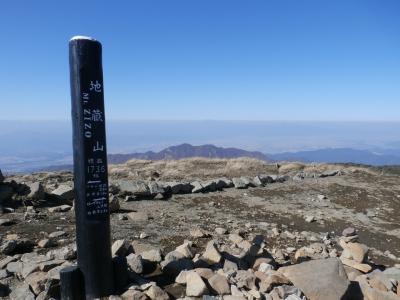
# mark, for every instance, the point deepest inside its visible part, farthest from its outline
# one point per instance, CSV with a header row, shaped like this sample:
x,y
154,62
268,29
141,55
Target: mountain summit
x,y
186,151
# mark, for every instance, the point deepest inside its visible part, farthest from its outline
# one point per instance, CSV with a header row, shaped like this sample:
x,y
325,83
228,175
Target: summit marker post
x,y
90,167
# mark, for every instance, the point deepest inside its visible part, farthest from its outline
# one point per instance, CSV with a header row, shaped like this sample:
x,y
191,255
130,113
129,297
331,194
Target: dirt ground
x,y
364,198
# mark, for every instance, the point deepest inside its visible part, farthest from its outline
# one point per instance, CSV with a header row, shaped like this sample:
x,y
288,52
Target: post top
x,y
82,37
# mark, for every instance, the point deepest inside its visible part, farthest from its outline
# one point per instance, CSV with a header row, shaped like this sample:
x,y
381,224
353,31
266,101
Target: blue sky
x,y
208,59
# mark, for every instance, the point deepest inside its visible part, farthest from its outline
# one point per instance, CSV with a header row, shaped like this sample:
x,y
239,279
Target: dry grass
x,y
192,168
211,168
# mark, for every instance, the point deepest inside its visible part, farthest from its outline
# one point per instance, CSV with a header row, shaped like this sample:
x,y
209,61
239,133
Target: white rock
x,y
195,286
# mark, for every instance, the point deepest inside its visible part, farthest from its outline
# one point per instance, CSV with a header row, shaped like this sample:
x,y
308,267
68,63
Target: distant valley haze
x,y
33,145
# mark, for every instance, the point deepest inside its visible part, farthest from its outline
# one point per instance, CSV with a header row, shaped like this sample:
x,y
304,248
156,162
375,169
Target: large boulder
x,y
197,187
240,183
156,189
65,192
138,189
323,279
36,191
179,187
113,203
223,183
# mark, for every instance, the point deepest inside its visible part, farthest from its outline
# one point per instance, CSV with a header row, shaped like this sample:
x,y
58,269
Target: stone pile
x,y
58,189
231,265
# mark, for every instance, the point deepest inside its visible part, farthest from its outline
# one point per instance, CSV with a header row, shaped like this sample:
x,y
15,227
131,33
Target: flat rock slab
x,y
322,279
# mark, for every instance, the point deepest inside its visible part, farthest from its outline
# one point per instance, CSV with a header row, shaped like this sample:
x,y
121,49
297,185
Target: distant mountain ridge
x,y
187,151
327,155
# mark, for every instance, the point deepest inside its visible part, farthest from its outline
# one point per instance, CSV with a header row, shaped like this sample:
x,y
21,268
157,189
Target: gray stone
x,y
153,255
138,216
6,222
156,293
309,219
45,243
323,279
195,286
219,284
349,231
4,274
223,183
36,191
60,208
138,189
113,203
14,267
329,173
121,248
230,266
22,292
8,247
209,186
245,279
257,181
34,257
5,261
156,189
135,262
37,281
65,253
240,183
57,234
180,187
48,265
197,187
186,250
64,192
174,267
211,255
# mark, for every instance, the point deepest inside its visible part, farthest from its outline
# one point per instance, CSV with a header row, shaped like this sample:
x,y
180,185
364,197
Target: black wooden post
x,y
90,167
72,284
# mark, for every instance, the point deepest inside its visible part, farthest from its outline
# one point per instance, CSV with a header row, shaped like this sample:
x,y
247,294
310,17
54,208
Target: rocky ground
x,y
215,229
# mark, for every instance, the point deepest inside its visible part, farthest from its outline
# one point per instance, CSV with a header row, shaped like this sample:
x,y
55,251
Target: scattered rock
x,y
61,208
153,255
211,254
22,292
36,281
6,222
156,293
138,216
195,286
323,279
356,251
240,183
349,231
219,284
113,203
65,192
310,219
198,233
120,248
138,189
135,262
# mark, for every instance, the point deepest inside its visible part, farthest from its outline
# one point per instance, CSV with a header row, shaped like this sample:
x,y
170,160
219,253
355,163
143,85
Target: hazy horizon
x,y
30,144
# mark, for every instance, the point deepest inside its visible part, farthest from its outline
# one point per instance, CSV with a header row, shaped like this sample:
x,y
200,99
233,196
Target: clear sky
x,y
208,59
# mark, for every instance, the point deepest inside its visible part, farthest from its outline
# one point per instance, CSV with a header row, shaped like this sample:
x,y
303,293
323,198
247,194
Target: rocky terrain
x,y
215,229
